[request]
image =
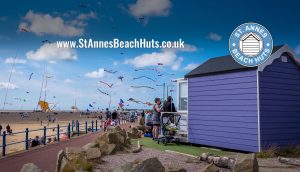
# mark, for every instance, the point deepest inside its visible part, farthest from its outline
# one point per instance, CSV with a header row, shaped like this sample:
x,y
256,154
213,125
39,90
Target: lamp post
x,y
109,102
164,88
168,86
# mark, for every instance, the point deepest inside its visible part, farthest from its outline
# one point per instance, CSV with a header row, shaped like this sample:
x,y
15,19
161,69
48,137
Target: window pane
x,y
182,103
183,91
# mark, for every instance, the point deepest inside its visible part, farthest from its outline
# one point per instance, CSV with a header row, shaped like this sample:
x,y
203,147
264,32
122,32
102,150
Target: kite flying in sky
x,y
146,69
103,92
30,76
121,78
109,85
133,100
144,77
110,71
23,29
46,41
138,102
143,87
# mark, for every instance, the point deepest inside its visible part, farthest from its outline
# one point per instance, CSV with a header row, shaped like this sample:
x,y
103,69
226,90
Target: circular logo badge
x,y
250,44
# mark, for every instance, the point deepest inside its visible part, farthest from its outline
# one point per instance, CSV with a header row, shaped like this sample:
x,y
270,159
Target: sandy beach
x,y
35,121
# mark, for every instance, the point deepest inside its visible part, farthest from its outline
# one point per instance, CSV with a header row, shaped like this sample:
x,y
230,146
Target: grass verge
x,y
187,149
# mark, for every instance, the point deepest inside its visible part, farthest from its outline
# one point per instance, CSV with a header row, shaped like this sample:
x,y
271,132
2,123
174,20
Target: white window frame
x,y
179,81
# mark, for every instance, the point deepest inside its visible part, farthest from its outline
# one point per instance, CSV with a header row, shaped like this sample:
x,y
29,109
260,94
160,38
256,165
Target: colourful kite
x,y
103,92
133,100
154,69
110,71
30,76
121,78
120,104
23,29
109,85
143,87
46,41
139,102
144,77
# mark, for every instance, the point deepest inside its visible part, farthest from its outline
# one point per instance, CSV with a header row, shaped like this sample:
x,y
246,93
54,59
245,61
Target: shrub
x,y
274,151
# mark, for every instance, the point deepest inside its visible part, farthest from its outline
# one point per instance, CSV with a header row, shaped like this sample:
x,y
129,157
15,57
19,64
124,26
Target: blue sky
x,y
205,26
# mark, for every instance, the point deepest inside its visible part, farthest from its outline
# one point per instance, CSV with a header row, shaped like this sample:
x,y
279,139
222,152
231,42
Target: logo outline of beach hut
x,y
251,44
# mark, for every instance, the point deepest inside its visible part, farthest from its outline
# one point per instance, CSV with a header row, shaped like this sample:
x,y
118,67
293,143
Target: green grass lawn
x,y
187,149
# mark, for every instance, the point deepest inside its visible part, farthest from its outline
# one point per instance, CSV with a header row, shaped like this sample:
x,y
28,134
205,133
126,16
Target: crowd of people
x,y
151,118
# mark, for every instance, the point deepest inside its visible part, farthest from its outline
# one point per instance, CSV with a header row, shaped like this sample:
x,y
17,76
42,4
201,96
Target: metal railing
x,y
74,125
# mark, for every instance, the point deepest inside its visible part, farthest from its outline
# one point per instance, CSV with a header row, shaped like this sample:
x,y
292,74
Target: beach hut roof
x,y
220,65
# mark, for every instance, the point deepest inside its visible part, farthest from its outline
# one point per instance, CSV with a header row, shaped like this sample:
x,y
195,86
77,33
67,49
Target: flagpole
x,y
9,79
109,102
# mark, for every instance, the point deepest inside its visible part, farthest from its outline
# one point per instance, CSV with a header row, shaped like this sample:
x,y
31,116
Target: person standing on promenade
x,y
156,118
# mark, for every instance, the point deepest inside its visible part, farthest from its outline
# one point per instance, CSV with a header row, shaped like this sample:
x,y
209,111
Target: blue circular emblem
x,y
250,44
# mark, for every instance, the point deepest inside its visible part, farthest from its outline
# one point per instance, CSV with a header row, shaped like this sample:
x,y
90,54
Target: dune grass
x,y
182,148
275,151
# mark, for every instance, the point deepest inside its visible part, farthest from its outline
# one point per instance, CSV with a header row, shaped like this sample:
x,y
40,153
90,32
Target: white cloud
x,y
50,52
52,62
14,71
115,63
214,36
12,60
6,85
167,58
187,48
297,50
86,16
148,8
42,24
96,74
177,64
190,66
68,81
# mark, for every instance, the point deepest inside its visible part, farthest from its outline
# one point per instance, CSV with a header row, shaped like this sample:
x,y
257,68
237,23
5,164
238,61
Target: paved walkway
x,y
44,157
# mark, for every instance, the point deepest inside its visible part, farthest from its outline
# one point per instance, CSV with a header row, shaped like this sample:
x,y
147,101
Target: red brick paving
x,y
44,157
